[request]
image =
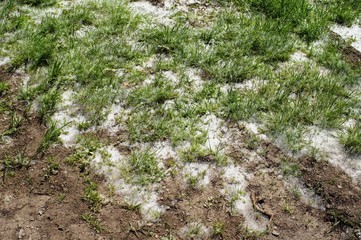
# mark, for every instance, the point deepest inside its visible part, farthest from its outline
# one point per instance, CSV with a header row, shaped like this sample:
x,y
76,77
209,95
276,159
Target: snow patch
x,y
194,78
195,230
4,60
213,125
251,84
67,119
234,190
164,150
253,220
306,195
108,161
26,80
171,76
198,171
162,15
84,31
116,114
330,146
299,57
253,128
353,32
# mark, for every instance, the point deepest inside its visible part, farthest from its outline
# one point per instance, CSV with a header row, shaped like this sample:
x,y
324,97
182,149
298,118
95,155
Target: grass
x,y
51,136
10,164
93,221
92,196
352,139
197,153
289,169
15,123
218,228
3,88
144,166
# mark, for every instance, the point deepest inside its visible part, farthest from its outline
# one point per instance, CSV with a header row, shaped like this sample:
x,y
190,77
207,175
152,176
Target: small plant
x,y
252,142
289,169
296,193
61,197
53,166
3,88
248,233
197,153
51,136
287,208
218,228
93,221
19,161
92,196
195,230
48,103
11,164
352,139
15,123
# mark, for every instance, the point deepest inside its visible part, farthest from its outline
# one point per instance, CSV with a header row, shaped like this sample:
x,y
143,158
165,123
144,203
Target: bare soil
x,y
351,55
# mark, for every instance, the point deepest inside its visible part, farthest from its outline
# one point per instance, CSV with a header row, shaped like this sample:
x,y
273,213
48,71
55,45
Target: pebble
x,y
275,233
21,233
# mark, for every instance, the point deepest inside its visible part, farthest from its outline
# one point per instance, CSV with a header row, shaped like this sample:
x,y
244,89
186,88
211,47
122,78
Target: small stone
x,y
339,186
275,233
32,218
21,233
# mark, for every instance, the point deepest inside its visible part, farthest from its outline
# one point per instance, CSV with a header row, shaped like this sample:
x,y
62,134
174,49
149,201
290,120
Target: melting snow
x,y
194,77
299,57
200,171
253,128
164,150
252,84
143,196
213,125
195,230
328,144
4,60
116,113
160,14
235,184
306,195
66,117
171,76
353,32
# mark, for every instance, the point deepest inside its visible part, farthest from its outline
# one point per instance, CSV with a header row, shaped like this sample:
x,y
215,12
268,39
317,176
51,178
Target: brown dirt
x,y
202,205
351,55
292,219
342,197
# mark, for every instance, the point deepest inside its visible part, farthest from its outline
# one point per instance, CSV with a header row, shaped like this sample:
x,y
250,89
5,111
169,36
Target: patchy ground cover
x,y
180,119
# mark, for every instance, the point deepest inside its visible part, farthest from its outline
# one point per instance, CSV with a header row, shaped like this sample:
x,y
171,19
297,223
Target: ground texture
x,y
180,120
